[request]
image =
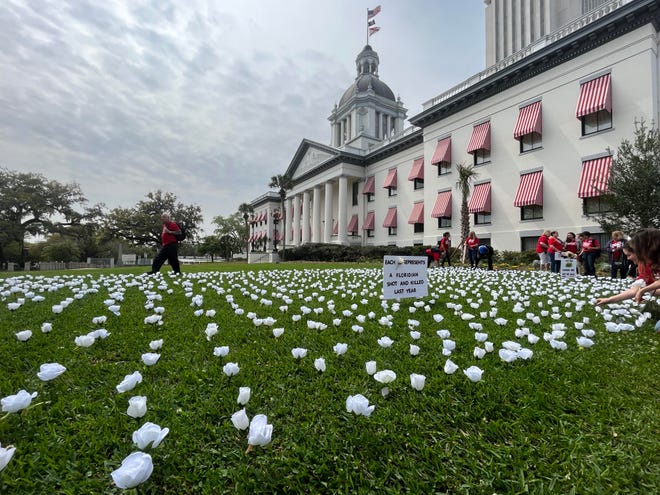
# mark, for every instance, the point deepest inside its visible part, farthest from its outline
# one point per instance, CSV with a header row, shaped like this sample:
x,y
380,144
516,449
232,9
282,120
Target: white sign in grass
x,y
404,276
568,268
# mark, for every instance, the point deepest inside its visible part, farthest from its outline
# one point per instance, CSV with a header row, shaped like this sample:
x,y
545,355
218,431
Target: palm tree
x,y
283,183
246,209
466,176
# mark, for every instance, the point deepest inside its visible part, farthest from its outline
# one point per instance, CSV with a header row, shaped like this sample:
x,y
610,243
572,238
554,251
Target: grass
x,y
573,421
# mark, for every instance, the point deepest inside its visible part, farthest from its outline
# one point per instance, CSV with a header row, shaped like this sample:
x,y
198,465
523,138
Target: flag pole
x,y
367,25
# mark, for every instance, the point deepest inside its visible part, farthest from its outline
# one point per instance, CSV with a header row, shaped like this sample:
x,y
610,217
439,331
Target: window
x,y
417,173
371,197
444,222
444,168
529,127
479,145
528,243
531,141
481,156
418,228
391,191
482,218
531,212
594,106
596,122
595,205
370,232
356,192
391,230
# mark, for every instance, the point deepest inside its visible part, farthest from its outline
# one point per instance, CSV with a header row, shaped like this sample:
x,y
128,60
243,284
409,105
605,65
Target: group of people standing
x,y
586,249
583,247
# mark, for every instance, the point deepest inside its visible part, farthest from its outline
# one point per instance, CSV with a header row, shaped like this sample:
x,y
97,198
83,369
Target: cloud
x,y
204,99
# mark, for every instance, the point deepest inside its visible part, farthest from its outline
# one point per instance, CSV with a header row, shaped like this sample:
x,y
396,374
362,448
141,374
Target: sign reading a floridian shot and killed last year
x,y
404,276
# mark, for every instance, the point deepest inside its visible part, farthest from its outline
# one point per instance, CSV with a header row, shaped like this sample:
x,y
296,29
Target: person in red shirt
x,y
472,243
589,252
445,249
542,251
169,251
570,244
555,248
617,258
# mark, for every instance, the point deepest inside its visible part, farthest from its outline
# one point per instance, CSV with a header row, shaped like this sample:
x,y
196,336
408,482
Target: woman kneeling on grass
x,y
643,250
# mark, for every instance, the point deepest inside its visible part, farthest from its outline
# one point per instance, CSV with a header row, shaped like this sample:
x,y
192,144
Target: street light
x,y
247,239
276,218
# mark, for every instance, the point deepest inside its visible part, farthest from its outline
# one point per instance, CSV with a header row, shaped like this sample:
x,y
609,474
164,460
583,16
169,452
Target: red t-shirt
x,y
444,244
571,246
472,242
555,245
168,238
645,272
542,239
589,245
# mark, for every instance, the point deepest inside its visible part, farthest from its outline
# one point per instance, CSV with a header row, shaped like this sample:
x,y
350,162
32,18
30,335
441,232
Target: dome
x,y
366,64
362,84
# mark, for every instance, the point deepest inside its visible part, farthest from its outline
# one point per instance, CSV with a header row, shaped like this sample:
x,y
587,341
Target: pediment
x,y
311,158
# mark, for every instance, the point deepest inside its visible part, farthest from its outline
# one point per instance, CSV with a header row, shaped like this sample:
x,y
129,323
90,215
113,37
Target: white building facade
x,y
539,126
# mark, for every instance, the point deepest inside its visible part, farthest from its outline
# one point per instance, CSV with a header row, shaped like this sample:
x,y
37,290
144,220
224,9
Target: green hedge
x,y
339,253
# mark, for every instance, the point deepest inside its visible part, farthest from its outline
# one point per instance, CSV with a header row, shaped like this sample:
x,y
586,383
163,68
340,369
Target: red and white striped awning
x,y
595,95
251,238
530,190
480,199
442,152
352,224
335,228
369,185
480,139
417,170
369,221
390,180
529,120
594,178
390,218
442,206
417,213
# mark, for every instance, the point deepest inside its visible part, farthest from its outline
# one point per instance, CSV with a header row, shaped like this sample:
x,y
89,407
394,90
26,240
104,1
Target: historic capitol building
x,y
566,81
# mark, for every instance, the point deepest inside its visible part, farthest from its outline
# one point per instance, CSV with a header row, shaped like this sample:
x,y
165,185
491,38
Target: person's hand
x,y
601,301
639,296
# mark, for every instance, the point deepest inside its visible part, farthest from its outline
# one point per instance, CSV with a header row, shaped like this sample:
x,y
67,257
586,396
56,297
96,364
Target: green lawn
x,y
572,421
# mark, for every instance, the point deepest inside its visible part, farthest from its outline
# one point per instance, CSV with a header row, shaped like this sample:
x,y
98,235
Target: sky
x,y
206,99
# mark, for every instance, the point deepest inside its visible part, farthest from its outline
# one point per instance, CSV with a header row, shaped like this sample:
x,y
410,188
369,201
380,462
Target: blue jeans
x,y
589,260
472,256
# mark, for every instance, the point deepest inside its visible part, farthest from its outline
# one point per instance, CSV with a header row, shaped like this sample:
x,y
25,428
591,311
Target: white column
x,y
316,214
327,226
296,220
342,207
287,228
305,218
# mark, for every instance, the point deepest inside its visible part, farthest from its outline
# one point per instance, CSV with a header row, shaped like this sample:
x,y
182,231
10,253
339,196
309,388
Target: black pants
x,y
169,253
446,257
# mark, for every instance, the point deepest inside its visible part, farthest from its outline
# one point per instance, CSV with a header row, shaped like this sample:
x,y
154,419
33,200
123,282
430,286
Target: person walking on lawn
x,y
169,249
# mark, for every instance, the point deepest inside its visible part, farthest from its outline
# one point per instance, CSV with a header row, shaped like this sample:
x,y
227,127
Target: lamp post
x,y
247,239
276,219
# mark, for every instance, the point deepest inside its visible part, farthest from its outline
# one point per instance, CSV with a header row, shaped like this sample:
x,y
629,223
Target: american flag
x,y
372,13
373,30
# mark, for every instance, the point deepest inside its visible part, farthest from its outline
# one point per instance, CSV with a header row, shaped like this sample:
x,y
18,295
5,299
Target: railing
x,y
548,39
392,138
